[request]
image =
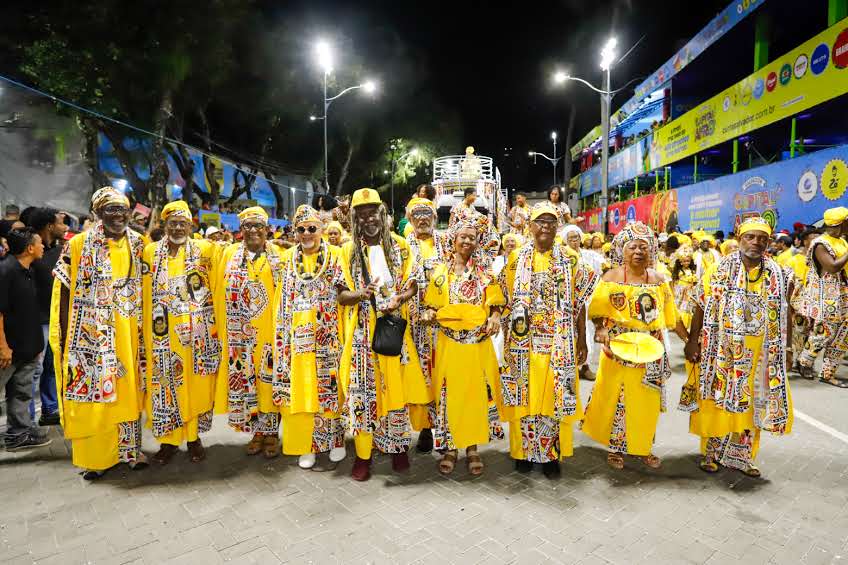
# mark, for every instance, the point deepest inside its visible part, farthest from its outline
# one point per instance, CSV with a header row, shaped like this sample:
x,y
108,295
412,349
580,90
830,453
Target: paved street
x,y
247,510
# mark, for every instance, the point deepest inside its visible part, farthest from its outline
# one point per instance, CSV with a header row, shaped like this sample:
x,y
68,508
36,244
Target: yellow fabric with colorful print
x,y
92,427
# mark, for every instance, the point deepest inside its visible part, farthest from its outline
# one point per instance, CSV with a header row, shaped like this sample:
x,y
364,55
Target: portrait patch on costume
x,y
618,300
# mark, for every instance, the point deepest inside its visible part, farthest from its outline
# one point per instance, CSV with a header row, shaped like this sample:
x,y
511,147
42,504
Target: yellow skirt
x,y
465,370
641,407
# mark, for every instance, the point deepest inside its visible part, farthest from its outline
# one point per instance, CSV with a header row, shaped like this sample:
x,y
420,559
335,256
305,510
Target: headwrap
x,y
336,225
420,204
543,208
254,213
754,223
177,208
571,228
108,195
305,213
662,237
606,247
632,232
682,251
683,239
708,238
519,241
835,216
725,246
212,230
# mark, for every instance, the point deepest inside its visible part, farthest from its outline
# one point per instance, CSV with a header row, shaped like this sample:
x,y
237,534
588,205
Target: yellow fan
x,y
637,347
461,316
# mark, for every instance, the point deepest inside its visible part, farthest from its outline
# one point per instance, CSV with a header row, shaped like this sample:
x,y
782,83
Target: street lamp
x,y
324,58
608,55
411,153
553,160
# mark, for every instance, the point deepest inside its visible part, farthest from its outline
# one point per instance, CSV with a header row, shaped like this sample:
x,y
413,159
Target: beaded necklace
x,y
300,269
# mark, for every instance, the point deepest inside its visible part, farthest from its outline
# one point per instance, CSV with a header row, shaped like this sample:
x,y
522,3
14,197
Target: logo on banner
x,y
834,179
785,74
820,59
616,217
771,81
631,214
840,50
808,185
759,88
801,64
726,104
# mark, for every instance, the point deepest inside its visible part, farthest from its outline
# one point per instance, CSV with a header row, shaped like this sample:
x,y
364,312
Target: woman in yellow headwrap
x,y
465,301
335,235
683,280
628,396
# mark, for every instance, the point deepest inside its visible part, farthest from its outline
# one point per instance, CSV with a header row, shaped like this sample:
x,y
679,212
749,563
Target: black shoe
x,y
29,440
586,373
523,466
425,441
51,419
551,469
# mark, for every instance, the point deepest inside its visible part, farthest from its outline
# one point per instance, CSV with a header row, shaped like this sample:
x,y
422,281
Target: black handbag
x,y
389,329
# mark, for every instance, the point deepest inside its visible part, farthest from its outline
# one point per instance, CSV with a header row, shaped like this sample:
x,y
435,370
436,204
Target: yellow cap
x,y
754,223
835,216
637,347
256,213
334,225
519,241
365,196
420,203
543,208
725,245
177,208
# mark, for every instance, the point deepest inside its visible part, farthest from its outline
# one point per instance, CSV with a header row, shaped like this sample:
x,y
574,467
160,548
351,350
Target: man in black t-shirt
x,y
21,339
49,224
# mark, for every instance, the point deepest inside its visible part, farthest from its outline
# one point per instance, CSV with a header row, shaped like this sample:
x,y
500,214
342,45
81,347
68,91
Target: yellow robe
x,y
784,257
263,324
396,384
196,394
94,428
419,415
541,375
303,414
710,421
618,386
463,370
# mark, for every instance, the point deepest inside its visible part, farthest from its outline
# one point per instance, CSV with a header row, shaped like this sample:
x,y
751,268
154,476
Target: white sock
x,y
337,454
306,461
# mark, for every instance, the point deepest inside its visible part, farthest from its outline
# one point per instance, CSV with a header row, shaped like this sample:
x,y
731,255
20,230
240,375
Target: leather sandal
x,y
615,460
165,454
448,462
196,451
270,447
254,446
474,463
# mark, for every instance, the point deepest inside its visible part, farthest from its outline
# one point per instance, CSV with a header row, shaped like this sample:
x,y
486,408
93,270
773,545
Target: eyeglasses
x,y
310,229
252,227
545,223
115,209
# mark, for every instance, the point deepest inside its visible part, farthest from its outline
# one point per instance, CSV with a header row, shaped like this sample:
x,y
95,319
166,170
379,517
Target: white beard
x,y
178,241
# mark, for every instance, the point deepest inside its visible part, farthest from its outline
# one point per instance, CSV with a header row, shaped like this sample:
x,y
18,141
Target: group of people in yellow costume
x,y
359,331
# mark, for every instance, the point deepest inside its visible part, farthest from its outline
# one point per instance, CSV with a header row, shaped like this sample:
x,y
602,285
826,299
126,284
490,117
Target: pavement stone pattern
x,y
238,509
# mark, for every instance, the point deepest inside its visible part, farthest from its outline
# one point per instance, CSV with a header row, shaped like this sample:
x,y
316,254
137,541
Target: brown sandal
x,y
474,463
254,446
270,447
652,461
196,451
615,460
752,472
448,462
165,454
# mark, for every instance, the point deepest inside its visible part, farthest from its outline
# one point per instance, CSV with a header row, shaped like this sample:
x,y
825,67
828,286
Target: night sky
x,y
491,64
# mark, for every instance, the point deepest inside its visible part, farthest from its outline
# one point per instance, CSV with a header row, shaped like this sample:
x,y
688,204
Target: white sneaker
x,y
306,461
337,454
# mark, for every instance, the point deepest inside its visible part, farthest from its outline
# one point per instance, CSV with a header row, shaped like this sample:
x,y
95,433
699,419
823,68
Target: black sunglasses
x,y
310,229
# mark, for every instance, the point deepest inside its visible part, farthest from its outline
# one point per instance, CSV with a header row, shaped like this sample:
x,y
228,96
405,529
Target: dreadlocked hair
x,y
385,236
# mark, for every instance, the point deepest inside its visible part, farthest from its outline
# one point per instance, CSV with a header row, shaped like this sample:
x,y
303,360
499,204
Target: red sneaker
x,y
400,462
361,470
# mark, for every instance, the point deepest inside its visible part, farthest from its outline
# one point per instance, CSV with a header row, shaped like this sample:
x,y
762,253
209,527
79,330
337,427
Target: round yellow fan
x,y
637,347
461,316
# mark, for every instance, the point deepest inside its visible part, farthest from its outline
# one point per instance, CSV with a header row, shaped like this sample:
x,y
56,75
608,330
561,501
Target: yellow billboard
x,y
810,74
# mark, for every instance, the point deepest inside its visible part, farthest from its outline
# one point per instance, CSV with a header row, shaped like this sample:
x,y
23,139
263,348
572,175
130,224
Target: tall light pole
x,y
556,159
411,153
553,160
607,56
324,57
